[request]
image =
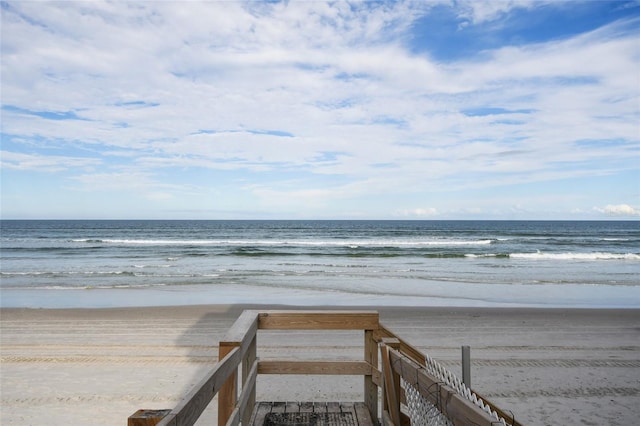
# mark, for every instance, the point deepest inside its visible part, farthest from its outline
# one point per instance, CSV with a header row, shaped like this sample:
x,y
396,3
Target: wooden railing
x,y
233,378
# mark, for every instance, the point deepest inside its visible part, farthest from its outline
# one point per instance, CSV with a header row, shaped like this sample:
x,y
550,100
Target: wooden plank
x,y
259,413
169,420
395,344
147,417
347,407
228,392
386,419
245,397
362,414
418,357
457,408
333,407
249,369
411,351
393,402
291,407
242,333
376,377
247,387
370,387
306,407
320,407
278,407
358,410
318,320
194,403
234,418
241,327
338,368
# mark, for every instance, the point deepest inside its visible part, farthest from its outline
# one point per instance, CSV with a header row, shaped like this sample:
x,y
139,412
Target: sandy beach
x,y
98,366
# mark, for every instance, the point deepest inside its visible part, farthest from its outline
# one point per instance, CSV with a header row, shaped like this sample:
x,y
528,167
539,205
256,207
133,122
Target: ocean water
x,y
417,263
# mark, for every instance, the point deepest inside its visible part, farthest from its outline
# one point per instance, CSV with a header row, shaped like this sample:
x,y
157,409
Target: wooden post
x,y
466,366
147,417
247,364
228,394
391,387
393,343
240,335
370,388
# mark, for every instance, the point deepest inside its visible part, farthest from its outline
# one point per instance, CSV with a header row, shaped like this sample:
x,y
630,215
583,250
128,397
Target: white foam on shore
x,y
297,242
576,256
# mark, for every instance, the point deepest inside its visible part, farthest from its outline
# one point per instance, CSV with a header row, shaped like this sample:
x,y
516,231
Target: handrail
x,y
194,403
245,396
238,351
459,410
243,334
318,320
242,330
419,358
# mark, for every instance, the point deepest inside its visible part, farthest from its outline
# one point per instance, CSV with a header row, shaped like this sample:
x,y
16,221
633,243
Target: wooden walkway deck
x,y
386,359
311,414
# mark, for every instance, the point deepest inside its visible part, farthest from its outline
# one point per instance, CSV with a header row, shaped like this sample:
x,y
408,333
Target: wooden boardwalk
x,y
233,379
311,414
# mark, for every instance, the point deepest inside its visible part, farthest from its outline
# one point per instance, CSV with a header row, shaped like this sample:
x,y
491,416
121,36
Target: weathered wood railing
x,y
238,365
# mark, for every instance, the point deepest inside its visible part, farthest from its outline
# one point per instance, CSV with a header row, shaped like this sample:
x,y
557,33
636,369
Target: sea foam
x,y
576,256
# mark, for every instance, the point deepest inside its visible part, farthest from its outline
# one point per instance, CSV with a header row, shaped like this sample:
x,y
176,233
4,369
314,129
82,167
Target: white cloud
x,y
418,212
482,11
135,182
159,196
44,163
618,210
162,87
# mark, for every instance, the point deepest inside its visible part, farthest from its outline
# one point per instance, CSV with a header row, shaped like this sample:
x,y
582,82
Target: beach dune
x,y
98,366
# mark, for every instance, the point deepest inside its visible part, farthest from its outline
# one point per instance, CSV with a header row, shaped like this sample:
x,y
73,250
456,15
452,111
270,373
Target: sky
x,y
509,109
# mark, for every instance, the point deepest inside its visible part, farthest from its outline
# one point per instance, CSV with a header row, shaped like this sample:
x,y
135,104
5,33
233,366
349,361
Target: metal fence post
x,y
466,366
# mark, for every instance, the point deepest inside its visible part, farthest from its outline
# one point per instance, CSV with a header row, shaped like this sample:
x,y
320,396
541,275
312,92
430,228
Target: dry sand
x,y
98,366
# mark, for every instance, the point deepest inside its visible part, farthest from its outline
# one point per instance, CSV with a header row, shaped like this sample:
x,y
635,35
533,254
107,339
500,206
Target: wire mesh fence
x,y
421,410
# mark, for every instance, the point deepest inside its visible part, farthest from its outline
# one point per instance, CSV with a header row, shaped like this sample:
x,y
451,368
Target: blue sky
x,y
316,110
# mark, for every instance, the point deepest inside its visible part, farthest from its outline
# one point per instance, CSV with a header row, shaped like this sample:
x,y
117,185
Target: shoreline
x,y
501,296
99,365
227,308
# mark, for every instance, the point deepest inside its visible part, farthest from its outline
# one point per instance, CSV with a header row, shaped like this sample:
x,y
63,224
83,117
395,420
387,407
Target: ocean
x,y
96,263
